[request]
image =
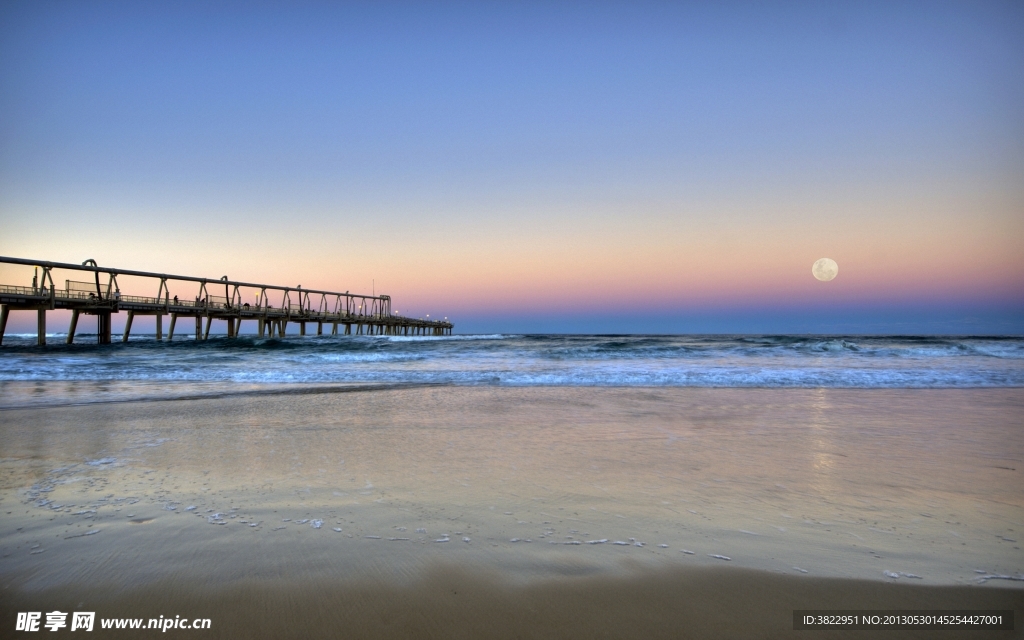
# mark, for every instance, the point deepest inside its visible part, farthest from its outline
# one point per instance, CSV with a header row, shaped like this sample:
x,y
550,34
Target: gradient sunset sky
x,y
620,167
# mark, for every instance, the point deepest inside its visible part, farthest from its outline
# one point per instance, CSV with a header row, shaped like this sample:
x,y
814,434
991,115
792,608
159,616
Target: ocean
x,y
143,367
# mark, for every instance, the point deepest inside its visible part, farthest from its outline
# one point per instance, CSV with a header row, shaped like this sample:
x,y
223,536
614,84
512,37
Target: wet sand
x,y
495,512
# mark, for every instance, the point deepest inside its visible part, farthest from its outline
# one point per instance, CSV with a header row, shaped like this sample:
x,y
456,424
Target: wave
x,y
532,360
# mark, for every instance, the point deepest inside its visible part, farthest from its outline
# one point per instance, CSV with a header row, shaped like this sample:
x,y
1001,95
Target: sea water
x,y
144,367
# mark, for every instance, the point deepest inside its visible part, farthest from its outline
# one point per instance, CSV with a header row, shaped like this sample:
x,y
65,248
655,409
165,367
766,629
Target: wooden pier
x,y
99,294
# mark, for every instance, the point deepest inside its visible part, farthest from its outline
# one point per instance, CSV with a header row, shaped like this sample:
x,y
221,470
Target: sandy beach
x,y
439,511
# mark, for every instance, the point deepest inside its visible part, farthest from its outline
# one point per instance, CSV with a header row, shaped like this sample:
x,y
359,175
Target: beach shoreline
x,y
556,512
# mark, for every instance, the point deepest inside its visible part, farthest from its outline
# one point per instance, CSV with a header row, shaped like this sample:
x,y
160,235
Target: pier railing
x,y
102,297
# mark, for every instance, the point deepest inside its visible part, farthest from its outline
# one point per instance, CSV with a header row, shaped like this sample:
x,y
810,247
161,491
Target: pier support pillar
x,y
103,327
4,312
259,326
159,326
320,328
334,329
41,327
231,327
71,328
170,331
128,326
302,328
209,321
199,327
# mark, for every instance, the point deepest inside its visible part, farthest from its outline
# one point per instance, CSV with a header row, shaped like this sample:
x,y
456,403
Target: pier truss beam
x,y
99,294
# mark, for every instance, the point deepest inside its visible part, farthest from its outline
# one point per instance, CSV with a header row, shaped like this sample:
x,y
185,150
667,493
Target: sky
x,y
618,167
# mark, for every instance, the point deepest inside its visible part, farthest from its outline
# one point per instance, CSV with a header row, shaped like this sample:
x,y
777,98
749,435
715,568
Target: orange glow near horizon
x,y
573,265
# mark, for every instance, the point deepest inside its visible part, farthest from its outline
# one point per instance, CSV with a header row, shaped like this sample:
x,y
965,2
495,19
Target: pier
x,y
97,293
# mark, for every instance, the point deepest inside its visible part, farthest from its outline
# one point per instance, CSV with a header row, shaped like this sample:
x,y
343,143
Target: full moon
x,y
825,269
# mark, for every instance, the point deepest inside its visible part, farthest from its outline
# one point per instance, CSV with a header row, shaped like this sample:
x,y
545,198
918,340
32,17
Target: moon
x,y
825,269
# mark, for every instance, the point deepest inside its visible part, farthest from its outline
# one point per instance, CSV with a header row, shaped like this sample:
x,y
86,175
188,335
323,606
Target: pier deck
x,y
101,296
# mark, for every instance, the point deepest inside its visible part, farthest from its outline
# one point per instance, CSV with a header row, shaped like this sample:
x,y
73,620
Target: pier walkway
x,y
99,294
